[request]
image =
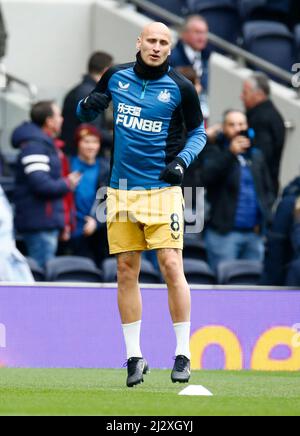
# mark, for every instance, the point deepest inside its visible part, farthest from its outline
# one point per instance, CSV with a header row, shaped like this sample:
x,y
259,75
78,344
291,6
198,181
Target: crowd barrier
x,y
71,326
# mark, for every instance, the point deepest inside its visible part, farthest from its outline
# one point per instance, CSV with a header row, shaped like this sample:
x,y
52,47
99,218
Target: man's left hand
x,y
174,172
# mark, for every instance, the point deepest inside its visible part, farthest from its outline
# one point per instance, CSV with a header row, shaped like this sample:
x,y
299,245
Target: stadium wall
x,y
50,41
76,326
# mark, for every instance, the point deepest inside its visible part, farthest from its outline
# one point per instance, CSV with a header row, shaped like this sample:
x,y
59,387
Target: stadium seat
x,y
37,272
198,272
72,269
177,7
194,248
274,10
240,272
293,276
148,274
109,268
271,41
247,7
219,11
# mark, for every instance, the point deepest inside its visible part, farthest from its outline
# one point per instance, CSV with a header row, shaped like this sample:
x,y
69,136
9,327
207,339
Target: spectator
x,y
13,266
3,36
239,193
39,186
283,244
68,201
98,65
267,123
191,51
89,238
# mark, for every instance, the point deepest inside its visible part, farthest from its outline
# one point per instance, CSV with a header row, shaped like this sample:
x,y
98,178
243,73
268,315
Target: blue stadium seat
x,y
72,269
177,7
198,272
293,276
37,272
109,268
277,10
240,272
194,248
148,274
247,7
222,16
271,41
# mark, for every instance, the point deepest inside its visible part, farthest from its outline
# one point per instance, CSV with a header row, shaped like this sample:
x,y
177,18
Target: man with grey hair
x,y
191,51
266,121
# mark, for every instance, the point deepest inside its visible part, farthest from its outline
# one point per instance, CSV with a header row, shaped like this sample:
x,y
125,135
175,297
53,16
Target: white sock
x,y
182,331
132,339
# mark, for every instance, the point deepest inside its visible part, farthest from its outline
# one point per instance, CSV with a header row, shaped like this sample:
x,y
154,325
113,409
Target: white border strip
x,y
145,286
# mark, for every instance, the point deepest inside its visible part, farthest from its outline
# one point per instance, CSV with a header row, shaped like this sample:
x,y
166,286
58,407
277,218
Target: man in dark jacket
x,y
39,185
98,65
191,51
239,192
266,121
283,244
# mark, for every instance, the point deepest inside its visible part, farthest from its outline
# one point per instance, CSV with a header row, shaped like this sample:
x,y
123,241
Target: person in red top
x,y
68,200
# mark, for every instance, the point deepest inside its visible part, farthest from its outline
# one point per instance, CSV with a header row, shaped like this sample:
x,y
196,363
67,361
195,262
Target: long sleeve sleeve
x,y
37,170
86,116
193,119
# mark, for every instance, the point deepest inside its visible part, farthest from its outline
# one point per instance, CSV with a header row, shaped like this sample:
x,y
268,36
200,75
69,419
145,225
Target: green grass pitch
x,y
102,392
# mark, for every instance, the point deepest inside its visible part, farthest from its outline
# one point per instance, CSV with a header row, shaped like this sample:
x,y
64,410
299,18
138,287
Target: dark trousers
x,y
95,247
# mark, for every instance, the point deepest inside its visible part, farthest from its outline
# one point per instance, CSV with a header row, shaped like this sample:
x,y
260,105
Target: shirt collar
x,y
191,54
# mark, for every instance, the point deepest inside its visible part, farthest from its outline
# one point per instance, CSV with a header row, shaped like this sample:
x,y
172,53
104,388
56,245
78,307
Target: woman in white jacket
x,y
13,266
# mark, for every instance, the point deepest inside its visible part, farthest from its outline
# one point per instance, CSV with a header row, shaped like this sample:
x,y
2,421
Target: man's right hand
x,y
96,102
240,145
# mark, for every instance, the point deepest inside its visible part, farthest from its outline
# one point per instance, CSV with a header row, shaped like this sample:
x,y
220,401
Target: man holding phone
x,y
239,192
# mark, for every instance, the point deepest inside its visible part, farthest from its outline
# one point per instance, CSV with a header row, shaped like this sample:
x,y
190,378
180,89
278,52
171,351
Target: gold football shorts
x,y
145,220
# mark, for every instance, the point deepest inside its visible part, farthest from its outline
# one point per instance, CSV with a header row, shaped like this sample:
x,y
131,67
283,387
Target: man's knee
x,y
128,268
171,265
